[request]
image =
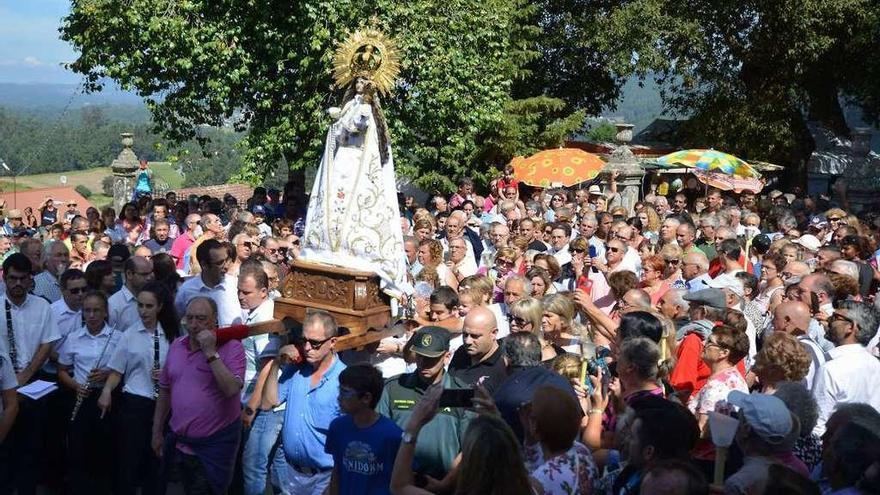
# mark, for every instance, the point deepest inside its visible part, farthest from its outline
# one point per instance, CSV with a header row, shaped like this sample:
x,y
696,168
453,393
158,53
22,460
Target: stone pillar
x,y
862,172
625,163
124,168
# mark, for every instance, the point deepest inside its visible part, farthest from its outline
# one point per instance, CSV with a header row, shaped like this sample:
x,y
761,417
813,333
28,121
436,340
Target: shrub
x,y
83,191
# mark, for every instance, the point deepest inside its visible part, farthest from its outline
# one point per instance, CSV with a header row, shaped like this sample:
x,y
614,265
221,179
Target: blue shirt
x,y
309,413
364,457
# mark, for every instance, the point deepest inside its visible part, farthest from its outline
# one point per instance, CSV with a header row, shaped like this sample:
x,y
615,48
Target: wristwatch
x,y
407,437
213,357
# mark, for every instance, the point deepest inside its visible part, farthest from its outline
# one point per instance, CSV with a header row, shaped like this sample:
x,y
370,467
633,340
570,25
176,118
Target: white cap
x,y
728,281
809,242
594,189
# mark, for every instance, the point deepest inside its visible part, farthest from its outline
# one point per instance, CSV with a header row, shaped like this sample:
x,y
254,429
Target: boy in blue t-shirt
x,y
363,443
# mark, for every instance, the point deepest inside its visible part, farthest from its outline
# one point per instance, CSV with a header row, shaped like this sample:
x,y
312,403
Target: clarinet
x,y
83,391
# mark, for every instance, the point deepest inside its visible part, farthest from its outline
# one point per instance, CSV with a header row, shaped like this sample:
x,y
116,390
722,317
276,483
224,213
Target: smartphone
x,y
592,251
584,284
457,397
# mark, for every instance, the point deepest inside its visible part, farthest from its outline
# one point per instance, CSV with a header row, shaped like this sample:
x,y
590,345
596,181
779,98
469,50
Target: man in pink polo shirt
x,y
186,240
199,387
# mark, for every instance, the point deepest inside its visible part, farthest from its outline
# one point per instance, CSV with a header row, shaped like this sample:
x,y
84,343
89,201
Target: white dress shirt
x,y
87,352
33,325
562,255
67,321
253,346
8,379
133,358
850,376
225,294
123,310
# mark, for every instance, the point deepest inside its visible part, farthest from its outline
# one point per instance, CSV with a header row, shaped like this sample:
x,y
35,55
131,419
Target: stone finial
x,y
126,161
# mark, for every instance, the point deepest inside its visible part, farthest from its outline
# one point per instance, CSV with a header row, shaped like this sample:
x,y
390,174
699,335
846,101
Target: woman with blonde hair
x,y
480,283
558,323
521,244
430,254
526,315
423,229
671,254
505,263
650,223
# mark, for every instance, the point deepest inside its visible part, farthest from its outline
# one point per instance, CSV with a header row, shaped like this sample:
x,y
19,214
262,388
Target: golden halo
x,y
367,53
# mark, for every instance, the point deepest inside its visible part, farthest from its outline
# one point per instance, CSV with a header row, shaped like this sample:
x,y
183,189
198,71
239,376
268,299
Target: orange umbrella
x,y
557,167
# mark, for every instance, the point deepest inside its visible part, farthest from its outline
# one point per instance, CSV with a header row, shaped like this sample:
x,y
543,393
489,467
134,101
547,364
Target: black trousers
x,y
138,465
91,450
192,475
20,453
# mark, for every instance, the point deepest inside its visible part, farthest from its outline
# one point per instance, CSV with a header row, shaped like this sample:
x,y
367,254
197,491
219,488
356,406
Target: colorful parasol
x,y
726,182
710,161
557,167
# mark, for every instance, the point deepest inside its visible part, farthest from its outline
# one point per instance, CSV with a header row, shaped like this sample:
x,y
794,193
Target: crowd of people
x,y
556,342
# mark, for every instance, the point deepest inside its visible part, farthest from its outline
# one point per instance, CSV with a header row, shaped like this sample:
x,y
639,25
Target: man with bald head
x,y
478,361
668,230
685,235
793,318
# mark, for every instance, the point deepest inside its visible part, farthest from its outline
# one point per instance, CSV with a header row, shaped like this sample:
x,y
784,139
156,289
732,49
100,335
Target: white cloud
x,y
32,61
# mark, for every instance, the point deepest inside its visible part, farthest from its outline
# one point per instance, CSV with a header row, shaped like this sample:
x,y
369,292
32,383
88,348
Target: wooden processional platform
x,y
351,296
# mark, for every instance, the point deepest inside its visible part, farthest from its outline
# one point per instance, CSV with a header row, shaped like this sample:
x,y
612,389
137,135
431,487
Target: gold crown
x,y
367,53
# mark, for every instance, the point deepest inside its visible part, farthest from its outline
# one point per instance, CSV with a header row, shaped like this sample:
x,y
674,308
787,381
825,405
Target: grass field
x,y
90,178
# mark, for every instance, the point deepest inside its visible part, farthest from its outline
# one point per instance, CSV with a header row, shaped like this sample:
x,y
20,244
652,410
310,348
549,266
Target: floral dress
x,y
716,389
570,473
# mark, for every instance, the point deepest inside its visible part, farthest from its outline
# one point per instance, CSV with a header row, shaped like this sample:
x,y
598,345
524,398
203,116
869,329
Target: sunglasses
x,y
295,243
612,249
834,219
519,321
672,261
316,344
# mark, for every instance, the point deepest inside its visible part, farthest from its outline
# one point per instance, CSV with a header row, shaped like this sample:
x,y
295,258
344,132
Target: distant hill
x,y
56,96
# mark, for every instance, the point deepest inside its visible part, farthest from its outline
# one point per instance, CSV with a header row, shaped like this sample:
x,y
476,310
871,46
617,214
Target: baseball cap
x,y
765,414
594,189
118,251
258,210
809,242
728,281
707,297
430,341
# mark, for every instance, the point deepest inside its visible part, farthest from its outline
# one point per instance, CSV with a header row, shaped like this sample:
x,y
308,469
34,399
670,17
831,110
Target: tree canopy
x,y
265,67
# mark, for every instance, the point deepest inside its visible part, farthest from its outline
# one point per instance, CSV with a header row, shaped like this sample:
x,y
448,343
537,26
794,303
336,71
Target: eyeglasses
x,y
517,320
317,344
613,249
502,261
834,219
712,343
840,316
295,243
672,261
579,251
622,238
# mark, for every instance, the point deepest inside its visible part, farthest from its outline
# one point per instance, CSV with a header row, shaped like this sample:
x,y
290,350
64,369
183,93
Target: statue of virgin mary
x,y
353,218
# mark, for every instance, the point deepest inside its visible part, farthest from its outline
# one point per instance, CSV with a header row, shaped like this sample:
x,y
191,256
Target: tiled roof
x,y
241,192
35,198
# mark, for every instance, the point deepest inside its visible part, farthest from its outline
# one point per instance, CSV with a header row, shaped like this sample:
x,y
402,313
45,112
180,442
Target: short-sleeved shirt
x,y
86,352
123,309
198,406
440,439
253,346
488,372
47,286
134,358
225,294
716,389
310,410
363,457
8,381
156,247
33,325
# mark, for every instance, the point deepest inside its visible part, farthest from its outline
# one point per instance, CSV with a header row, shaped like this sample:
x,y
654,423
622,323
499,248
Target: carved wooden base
x,y
351,296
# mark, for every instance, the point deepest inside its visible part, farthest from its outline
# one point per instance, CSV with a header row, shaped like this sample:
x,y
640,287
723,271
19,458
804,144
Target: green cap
x,y
430,341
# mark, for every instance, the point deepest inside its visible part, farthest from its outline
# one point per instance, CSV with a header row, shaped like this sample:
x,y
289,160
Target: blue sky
x,y
30,48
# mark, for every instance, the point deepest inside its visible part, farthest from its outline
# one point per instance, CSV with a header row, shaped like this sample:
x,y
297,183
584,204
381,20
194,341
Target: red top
x,y
690,372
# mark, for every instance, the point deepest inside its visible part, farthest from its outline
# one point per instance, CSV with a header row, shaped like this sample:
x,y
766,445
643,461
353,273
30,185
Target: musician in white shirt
x,y
27,331
85,353
139,357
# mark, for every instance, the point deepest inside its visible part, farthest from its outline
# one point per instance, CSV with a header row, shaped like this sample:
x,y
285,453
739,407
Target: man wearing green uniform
x,y
440,440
